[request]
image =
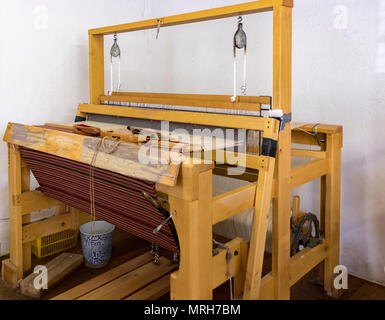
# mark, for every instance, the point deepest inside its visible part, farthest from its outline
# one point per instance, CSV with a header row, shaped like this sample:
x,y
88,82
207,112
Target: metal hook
x,y
158,29
240,19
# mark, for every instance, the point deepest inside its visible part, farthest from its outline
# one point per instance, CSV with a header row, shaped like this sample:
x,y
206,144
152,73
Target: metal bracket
x,y
285,118
79,118
269,147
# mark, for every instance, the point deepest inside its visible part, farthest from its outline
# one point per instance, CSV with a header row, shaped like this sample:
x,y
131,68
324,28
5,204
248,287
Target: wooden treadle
x,y
137,279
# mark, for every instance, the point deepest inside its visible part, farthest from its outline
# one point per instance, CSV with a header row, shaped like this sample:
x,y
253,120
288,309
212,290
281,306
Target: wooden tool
x,y
57,269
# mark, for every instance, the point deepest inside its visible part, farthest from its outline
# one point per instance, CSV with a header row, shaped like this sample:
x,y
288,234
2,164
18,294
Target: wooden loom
x,y
199,272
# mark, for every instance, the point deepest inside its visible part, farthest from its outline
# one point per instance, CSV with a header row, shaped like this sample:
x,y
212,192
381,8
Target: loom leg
x,y
332,211
282,30
25,186
15,218
193,222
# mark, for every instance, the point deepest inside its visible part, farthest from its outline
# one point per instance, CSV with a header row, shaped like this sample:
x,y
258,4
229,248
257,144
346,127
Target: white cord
x,y
244,84
118,88
234,97
112,77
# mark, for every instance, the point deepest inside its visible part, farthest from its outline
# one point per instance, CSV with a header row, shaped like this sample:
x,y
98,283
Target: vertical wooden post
x,y
74,218
15,219
282,30
96,57
25,186
332,211
193,222
321,269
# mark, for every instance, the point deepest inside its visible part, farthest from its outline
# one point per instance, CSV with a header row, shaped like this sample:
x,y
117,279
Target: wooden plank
x,y
105,278
127,284
33,201
282,53
46,227
308,172
57,269
308,153
189,96
233,202
153,291
300,264
15,218
124,160
268,125
320,128
304,261
258,233
246,175
185,102
203,15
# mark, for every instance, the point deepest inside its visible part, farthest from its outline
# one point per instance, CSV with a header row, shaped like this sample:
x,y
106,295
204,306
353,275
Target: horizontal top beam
x,y
269,126
197,16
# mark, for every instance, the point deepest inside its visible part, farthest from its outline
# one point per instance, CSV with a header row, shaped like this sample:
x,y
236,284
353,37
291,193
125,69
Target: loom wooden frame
x,y
190,195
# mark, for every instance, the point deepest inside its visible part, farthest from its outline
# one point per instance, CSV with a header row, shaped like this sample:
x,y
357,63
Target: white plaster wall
x,y
338,77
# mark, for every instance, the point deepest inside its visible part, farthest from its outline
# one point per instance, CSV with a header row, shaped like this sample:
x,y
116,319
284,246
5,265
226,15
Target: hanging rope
x,y
239,42
114,53
114,147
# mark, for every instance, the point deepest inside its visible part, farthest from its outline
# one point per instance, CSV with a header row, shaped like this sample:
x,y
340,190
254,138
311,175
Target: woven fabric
x,y
118,198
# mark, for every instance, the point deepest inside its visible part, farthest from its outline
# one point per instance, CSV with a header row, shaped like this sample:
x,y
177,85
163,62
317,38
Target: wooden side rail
x,y
33,201
184,102
188,96
308,153
269,126
308,172
233,202
299,265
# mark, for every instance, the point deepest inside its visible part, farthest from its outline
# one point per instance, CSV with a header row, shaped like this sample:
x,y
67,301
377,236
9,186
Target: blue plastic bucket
x,y
97,243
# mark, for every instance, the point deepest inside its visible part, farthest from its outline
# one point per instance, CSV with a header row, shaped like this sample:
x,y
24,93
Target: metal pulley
x,y
239,42
240,38
114,53
115,50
